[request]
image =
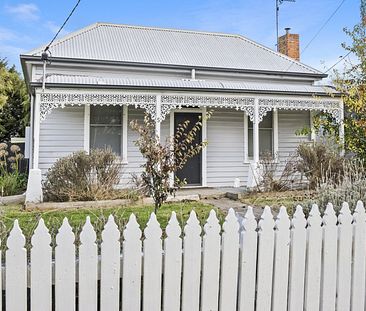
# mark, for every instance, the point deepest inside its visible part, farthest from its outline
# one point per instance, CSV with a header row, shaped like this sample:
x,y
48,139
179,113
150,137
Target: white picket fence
x,y
294,264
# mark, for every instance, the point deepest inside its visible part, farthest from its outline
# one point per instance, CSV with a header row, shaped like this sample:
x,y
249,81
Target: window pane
x,y
265,142
106,115
103,136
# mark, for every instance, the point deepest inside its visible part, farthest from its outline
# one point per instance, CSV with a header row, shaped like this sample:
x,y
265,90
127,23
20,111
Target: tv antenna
x,y
278,3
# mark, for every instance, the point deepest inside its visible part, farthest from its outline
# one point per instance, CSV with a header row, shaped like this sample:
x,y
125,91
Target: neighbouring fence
x,y
294,264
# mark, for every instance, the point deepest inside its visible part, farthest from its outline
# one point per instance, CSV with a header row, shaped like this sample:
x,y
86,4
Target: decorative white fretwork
x,y
334,107
50,101
170,102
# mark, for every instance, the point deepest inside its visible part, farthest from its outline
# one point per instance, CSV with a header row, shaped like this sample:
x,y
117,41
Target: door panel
x,y
192,171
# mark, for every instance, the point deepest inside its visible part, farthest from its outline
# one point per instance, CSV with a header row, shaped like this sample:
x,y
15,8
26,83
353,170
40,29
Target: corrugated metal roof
x,y
192,84
111,42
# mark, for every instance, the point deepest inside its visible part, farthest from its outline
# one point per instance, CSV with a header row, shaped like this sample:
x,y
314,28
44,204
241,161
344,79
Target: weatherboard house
x,y
105,75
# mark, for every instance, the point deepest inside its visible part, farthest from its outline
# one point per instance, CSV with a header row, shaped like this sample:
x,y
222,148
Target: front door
x,y
192,171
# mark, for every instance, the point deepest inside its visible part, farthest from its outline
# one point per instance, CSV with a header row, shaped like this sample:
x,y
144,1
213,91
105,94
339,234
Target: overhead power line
x,y
320,30
342,58
62,26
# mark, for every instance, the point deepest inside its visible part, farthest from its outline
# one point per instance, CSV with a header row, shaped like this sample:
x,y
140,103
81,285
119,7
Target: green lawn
x,y
28,220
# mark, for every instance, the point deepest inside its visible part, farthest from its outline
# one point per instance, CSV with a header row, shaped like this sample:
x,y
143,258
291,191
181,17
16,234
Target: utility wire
x,y
342,58
320,30
62,26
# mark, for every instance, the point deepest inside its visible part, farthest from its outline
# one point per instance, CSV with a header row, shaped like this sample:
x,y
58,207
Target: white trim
x,y
275,133
158,117
36,132
341,129
246,138
87,129
204,151
203,137
124,134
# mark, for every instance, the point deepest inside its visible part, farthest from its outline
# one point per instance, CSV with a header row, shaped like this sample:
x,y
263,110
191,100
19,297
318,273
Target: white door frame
x,y
204,137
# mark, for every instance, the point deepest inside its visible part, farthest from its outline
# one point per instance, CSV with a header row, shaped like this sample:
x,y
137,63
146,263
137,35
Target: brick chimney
x,y
289,44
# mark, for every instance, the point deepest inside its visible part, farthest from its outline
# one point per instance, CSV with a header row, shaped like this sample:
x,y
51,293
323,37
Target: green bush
x,y
11,180
83,177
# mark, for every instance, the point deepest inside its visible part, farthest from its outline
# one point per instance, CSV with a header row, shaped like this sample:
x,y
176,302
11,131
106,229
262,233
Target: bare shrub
x,y
83,177
164,159
271,177
319,160
350,188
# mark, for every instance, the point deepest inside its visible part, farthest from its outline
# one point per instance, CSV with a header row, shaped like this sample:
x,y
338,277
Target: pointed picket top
x,y
110,230
329,217
282,221
65,233
193,226
314,218
41,235
212,225
298,219
88,234
266,221
153,229
231,223
359,215
16,238
249,222
132,230
345,215
173,228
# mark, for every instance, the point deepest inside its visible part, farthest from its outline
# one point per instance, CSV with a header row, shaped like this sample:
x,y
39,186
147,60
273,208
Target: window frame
x,y
123,126
249,159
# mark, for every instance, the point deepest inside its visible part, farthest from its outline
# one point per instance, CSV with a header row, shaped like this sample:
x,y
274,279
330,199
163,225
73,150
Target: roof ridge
x,y
278,53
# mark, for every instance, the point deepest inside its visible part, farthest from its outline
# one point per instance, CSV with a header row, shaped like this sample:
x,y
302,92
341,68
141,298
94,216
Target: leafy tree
x,y
14,103
164,159
351,82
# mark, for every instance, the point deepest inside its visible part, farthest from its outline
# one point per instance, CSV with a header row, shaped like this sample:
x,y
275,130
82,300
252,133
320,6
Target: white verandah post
x,y
34,186
158,116
256,133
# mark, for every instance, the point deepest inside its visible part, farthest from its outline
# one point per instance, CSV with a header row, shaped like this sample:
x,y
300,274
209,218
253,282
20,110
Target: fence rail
x,y
312,264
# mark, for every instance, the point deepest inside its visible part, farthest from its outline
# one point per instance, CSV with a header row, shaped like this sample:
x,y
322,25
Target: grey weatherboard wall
x,y
62,132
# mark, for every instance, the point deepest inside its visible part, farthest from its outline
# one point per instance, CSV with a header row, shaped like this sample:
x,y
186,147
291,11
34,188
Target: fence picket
x,y
248,262
131,280
345,232
329,265
229,262
110,266
152,265
88,268
65,268
359,258
41,269
172,265
297,261
191,264
281,261
16,271
314,263
313,260
265,260
211,264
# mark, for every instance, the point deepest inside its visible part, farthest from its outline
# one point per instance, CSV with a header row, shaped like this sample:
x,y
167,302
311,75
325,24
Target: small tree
x,y
164,159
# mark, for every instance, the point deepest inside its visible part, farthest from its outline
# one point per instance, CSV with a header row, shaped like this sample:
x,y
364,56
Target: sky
x,y
25,25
